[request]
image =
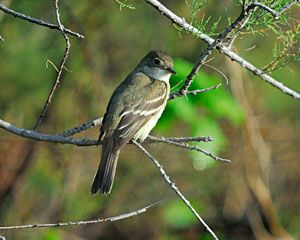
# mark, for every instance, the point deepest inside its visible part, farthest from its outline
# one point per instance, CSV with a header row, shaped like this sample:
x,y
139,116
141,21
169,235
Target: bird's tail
x,y
104,178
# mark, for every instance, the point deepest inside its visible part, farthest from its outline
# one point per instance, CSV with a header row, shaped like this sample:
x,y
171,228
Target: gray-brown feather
x,y
104,178
135,101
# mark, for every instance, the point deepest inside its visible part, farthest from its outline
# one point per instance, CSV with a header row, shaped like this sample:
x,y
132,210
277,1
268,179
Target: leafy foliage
x,y
124,4
203,112
285,29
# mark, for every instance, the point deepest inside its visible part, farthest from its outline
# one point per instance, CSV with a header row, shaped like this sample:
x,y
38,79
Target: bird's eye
x,y
156,61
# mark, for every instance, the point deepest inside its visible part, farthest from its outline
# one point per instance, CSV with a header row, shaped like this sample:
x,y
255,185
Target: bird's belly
x,y
145,130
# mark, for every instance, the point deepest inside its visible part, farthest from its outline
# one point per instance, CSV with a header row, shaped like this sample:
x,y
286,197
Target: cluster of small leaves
x,y
262,22
201,113
195,7
286,30
124,4
204,24
287,50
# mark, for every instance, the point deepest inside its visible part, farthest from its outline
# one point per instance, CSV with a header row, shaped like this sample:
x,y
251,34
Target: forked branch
x,y
175,189
223,49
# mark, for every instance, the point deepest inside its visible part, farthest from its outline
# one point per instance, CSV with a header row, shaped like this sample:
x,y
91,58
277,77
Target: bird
x,y
132,112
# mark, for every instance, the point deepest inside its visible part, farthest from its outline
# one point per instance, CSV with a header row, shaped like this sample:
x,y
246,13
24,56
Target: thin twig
x,y
223,49
216,43
219,71
1,39
193,92
288,6
266,8
153,139
62,66
66,224
175,189
189,79
275,14
82,127
55,138
187,146
38,21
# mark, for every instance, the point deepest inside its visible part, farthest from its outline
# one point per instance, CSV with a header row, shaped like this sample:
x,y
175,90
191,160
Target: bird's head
x,y
158,65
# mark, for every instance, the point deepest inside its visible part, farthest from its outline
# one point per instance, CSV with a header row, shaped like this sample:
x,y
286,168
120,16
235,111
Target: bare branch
x,y
266,8
175,189
153,139
1,39
55,138
193,148
67,224
66,139
288,6
223,49
37,21
82,127
193,92
185,145
62,66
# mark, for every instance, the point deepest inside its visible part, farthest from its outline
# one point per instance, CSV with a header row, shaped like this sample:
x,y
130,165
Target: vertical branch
x,y
61,68
175,189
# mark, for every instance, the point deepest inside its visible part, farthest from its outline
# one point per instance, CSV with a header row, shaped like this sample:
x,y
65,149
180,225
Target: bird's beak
x,y
171,70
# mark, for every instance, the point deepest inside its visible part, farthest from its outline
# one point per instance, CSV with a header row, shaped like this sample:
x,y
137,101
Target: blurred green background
x,y
253,124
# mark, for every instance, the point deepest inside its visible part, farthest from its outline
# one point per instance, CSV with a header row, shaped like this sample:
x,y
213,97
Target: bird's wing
x,y
141,99
136,114
133,117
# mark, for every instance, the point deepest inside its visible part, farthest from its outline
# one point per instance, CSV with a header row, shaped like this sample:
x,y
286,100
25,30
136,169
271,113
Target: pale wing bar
x,y
134,117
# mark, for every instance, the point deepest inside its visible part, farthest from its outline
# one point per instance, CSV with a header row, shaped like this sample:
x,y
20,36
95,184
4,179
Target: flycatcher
x,y
132,112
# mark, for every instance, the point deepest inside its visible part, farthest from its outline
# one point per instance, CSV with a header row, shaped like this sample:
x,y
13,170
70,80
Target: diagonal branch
x,y
266,8
204,55
38,21
175,189
66,224
233,56
82,127
62,66
288,6
193,148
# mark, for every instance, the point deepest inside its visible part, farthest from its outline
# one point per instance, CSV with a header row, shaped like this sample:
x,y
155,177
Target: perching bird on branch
x,y
132,112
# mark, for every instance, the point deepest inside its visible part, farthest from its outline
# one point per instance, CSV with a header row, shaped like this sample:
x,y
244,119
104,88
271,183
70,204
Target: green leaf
x,y
218,102
177,215
51,235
